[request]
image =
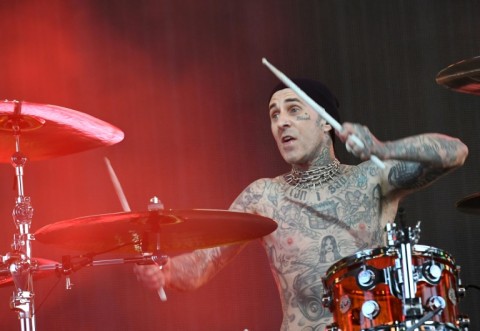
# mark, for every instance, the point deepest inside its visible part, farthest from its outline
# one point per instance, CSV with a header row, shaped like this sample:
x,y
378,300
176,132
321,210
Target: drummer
x,y
325,210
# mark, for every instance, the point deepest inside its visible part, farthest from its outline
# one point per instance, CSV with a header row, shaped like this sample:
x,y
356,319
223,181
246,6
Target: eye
x,y
294,110
274,115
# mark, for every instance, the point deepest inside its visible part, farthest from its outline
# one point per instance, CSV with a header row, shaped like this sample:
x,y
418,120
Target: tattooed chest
x,y
328,225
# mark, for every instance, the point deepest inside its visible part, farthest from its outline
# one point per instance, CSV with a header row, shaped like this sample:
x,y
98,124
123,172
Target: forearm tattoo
x,y
423,159
190,271
433,150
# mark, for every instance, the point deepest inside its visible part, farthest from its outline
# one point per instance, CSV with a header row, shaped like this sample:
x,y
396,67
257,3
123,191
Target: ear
x,y
327,127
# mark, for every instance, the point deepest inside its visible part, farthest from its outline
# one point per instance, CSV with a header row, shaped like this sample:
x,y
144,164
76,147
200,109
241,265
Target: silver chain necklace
x,y
312,178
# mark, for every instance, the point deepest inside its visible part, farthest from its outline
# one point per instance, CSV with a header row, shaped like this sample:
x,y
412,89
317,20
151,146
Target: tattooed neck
x,y
325,157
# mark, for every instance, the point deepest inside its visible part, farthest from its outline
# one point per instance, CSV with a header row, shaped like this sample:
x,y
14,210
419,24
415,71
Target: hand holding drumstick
x,y
126,208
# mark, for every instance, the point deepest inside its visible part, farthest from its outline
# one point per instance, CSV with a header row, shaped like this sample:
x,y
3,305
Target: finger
x,y
352,145
349,149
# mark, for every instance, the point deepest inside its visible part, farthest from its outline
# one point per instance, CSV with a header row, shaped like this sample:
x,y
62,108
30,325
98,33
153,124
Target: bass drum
x,y
363,291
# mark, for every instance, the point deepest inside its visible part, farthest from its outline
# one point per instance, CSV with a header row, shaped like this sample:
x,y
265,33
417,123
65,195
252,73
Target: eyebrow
x,y
289,100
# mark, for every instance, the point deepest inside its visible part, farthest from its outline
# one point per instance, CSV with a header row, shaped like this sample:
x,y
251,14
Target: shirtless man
x,y
319,199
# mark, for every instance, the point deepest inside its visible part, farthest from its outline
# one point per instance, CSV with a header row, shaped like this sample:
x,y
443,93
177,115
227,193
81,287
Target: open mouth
x,y
287,139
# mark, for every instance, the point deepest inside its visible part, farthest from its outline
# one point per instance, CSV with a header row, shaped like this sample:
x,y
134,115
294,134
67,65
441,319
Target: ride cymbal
x,y
176,231
463,76
47,131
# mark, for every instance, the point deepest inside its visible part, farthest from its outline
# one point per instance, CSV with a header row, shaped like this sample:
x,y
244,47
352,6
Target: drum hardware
x,y
463,76
142,232
154,205
71,264
41,132
424,319
367,278
431,272
401,287
463,322
370,309
49,131
22,299
436,302
332,327
152,236
180,230
412,306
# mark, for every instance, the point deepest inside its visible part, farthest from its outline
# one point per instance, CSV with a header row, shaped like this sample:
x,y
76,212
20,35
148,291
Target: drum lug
x,y
326,300
370,309
463,322
366,279
461,291
432,272
332,327
436,302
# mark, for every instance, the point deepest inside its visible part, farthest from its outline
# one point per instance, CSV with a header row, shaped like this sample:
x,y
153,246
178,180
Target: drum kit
x,y
30,131
404,286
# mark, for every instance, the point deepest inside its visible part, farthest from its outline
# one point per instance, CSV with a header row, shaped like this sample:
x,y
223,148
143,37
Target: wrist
x,y
166,269
382,150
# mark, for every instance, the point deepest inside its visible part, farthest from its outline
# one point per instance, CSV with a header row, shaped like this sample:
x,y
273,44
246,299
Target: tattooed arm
x,y
412,162
192,270
187,271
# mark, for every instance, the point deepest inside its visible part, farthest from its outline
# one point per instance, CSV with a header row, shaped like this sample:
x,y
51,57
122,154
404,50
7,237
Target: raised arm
x,y
412,162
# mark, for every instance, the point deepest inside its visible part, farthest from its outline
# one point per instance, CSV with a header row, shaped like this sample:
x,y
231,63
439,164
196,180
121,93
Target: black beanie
x,y
319,93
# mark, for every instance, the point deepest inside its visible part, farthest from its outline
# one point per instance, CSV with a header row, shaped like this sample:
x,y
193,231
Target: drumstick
x,y
126,208
117,186
319,109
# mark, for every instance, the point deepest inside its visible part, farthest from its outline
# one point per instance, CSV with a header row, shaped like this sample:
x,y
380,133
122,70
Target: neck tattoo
x,y
313,178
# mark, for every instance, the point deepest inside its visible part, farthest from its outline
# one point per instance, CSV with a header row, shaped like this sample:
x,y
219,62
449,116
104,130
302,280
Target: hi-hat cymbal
x,y
135,232
40,268
47,131
463,76
470,204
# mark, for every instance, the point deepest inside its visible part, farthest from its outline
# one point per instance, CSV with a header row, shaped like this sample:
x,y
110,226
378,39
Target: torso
x,y
317,227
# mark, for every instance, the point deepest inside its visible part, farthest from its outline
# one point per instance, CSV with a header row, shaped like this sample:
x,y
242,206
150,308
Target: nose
x,y
284,121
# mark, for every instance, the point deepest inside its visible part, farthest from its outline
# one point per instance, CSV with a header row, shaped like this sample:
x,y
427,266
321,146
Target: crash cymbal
x,y
48,131
179,230
40,268
470,204
463,76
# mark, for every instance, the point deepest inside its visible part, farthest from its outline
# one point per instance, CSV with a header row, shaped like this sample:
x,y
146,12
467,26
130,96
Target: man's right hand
x,y
152,276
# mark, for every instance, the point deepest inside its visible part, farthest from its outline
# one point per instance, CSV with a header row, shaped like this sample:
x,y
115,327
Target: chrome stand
x,y
19,260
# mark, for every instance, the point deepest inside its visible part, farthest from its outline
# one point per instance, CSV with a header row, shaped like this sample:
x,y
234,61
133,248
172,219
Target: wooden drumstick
x,y
319,109
126,208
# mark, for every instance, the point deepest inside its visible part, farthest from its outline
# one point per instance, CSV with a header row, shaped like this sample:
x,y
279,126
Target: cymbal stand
x,y
159,258
20,258
71,265
153,235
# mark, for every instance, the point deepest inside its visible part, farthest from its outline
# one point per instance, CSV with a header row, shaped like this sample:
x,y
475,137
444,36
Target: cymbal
x,y
41,268
470,204
134,232
463,76
48,131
